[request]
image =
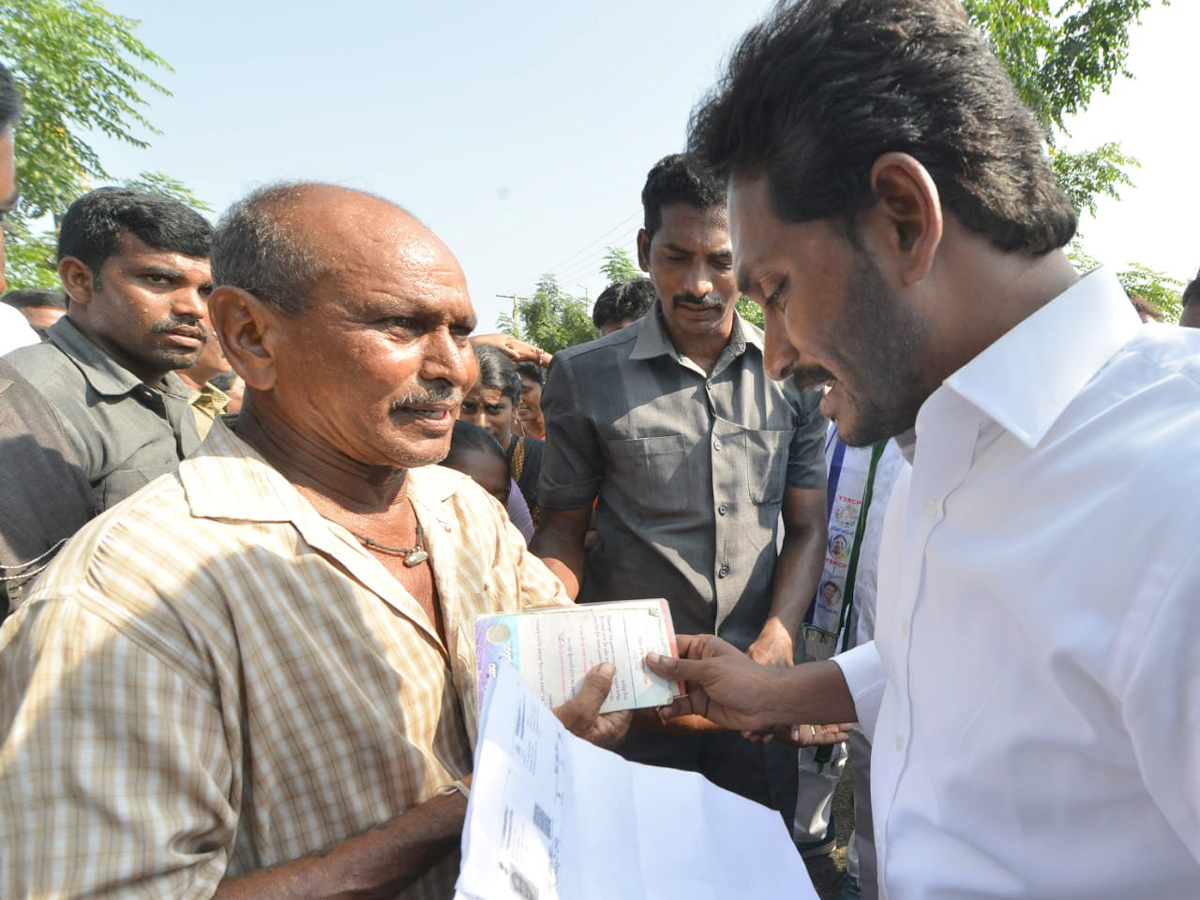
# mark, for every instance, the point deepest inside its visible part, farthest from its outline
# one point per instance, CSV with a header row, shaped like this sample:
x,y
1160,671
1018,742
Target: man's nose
x,y
779,356
699,280
449,359
189,303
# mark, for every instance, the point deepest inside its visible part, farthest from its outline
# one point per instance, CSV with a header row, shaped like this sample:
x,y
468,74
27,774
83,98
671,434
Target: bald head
x,y
283,240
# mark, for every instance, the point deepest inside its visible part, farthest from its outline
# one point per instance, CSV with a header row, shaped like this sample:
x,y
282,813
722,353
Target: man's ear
x,y
77,280
249,329
909,213
643,247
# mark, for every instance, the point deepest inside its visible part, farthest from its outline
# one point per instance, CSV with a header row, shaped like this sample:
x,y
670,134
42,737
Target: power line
x,y
604,237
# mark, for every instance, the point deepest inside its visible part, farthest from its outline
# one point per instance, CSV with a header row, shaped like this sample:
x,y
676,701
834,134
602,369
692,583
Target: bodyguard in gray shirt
x,y
136,273
693,453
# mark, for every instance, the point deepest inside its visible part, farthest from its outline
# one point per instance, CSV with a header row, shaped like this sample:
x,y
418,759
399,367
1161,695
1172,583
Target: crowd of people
x,y
258,479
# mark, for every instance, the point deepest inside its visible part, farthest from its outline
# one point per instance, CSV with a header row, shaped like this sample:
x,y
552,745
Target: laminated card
x,y
554,648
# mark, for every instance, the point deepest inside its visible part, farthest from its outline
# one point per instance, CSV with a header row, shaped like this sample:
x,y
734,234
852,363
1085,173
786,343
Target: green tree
x,y
80,71
551,319
619,266
750,311
1059,57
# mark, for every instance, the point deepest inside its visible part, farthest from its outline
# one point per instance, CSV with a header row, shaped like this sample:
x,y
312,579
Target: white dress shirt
x,y
1039,603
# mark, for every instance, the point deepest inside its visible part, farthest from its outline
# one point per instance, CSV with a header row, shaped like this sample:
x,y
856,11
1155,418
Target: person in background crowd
x,y
1032,686
474,452
256,677
843,616
204,377
44,496
136,273
693,453
1190,317
491,404
529,406
620,305
40,308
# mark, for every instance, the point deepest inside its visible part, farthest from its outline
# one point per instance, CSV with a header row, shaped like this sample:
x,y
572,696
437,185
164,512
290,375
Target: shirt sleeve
x,y
806,455
572,465
115,767
863,670
518,511
1161,696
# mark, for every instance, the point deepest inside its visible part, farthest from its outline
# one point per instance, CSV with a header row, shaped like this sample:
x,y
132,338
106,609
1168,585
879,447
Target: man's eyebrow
x,y
158,269
675,248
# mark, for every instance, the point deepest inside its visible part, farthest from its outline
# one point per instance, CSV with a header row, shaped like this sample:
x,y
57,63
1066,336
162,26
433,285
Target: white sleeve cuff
x,y
863,670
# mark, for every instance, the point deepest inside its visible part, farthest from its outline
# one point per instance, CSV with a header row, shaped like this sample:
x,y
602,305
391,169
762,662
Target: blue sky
x,y
522,132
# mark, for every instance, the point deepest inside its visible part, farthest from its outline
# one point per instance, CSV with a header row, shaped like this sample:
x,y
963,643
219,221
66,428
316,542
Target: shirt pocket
x,y
652,473
766,461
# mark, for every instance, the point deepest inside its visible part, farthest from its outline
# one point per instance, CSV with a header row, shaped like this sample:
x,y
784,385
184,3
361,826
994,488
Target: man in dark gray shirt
x,y
693,453
136,273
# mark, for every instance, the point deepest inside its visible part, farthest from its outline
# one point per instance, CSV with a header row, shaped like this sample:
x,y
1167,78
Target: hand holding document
x,y
551,817
554,648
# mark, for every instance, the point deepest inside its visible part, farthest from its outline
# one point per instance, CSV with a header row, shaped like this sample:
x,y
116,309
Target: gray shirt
x,y
124,433
690,470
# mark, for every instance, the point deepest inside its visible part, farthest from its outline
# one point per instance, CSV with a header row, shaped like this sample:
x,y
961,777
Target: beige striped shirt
x,y
212,678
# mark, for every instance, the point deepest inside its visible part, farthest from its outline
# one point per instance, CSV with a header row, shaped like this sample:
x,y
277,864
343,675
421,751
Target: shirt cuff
x,y
863,670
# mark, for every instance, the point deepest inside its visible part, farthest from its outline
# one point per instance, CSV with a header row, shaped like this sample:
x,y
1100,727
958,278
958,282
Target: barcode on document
x,y
542,821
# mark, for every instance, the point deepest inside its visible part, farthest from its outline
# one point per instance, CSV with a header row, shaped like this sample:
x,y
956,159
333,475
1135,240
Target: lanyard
x,y
860,529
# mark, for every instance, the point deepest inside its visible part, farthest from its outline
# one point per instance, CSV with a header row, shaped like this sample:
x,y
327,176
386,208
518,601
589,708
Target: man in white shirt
x,y
1032,687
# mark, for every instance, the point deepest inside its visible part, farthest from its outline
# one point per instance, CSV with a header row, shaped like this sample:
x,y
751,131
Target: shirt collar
x,y
228,479
1026,379
105,375
653,340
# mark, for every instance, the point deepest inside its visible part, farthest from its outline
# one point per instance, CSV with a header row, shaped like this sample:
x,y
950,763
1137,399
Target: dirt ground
x,y
826,871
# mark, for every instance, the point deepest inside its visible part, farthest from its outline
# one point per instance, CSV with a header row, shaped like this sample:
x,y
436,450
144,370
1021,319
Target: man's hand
x,y
725,685
514,348
774,645
581,714
722,683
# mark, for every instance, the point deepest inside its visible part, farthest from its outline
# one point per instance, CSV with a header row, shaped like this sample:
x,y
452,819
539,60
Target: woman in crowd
x,y
491,405
529,406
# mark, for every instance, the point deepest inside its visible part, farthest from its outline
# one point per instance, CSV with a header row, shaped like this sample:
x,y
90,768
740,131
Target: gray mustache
x,y
429,396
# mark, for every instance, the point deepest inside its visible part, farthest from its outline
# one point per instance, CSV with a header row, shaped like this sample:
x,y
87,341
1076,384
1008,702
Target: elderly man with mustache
x,y
256,678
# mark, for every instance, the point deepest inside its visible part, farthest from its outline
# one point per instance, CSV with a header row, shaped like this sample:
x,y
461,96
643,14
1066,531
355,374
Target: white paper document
x,y
552,817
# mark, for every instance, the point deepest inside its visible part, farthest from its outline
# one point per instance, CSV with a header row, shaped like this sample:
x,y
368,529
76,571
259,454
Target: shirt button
x,y
931,508
717,445
723,571
904,628
723,508
899,742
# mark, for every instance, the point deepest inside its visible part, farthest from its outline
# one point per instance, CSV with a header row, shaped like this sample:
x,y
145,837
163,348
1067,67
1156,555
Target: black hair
x,y
93,225
532,371
624,301
498,372
27,298
1191,293
678,178
467,439
10,101
821,89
